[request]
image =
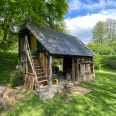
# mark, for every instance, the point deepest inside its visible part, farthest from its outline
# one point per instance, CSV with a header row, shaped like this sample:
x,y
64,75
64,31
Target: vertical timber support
x,y
50,71
73,70
92,69
26,64
77,69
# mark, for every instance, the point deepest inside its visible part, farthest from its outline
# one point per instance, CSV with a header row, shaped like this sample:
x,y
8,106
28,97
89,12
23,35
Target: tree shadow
x,y
101,101
8,62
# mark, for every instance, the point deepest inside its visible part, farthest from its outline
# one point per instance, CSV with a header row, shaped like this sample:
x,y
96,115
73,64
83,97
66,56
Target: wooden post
x,y
73,70
77,69
26,64
50,71
92,68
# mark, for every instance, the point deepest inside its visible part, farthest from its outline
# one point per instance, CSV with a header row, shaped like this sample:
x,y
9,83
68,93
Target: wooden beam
x,y
77,69
73,70
92,68
50,70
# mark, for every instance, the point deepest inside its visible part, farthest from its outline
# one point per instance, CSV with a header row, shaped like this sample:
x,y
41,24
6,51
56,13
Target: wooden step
x,y
41,77
35,61
38,69
42,81
40,73
37,66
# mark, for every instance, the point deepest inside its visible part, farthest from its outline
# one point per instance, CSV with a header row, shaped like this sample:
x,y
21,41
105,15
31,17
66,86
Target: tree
x,y
14,14
105,33
99,48
98,32
110,28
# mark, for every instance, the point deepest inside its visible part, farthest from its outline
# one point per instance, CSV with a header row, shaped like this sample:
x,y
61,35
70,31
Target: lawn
x,y
8,62
100,102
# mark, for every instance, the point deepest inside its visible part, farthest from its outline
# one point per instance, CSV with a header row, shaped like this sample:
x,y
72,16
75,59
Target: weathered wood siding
x,y
29,81
33,43
85,69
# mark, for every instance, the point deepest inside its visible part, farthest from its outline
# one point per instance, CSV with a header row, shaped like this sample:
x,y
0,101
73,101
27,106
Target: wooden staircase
x,y
35,73
39,69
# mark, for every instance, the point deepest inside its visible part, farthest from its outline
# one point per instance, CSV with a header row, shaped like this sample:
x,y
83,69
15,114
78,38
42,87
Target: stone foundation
x,y
86,78
49,92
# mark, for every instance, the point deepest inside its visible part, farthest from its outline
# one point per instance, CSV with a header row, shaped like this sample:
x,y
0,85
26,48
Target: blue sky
x,y
84,14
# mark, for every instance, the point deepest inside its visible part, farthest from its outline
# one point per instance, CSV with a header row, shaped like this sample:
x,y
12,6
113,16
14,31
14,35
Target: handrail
x,y
29,56
42,66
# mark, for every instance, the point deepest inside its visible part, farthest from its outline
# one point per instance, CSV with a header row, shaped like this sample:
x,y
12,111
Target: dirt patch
x,y
74,89
79,90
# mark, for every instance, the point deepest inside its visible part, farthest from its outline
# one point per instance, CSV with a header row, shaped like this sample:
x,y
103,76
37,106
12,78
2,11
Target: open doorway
x,y
62,68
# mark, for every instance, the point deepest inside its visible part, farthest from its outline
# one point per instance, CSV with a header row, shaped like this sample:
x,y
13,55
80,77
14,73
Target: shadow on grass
x,y
100,102
8,62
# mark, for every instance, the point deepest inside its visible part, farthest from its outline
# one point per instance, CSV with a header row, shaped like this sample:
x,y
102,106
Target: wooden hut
x,y
38,46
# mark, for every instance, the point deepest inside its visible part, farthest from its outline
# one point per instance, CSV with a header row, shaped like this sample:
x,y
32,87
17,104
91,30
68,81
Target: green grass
x,y
8,62
100,102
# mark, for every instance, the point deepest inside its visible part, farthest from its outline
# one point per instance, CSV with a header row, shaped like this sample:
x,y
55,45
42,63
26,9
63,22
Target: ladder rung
x,y
40,73
37,66
42,80
41,77
38,69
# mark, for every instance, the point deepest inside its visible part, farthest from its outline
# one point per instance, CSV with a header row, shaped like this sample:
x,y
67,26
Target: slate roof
x,y
59,43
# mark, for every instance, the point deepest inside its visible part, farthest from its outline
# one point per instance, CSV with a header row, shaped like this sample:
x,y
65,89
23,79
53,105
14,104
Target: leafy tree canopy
x,y
14,14
104,37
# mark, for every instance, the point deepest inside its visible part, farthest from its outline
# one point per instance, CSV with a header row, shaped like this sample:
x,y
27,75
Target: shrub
x,y
18,78
98,62
111,63
102,61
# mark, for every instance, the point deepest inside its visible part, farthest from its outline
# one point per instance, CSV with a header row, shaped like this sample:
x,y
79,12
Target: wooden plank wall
x,y
33,43
29,81
44,62
86,69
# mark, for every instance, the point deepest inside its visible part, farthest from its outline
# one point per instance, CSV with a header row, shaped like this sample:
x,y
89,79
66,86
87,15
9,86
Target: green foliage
x,y
111,61
104,34
1,108
11,44
100,62
8,62
98,32
66,85
15,13
18,78
100,49
57,62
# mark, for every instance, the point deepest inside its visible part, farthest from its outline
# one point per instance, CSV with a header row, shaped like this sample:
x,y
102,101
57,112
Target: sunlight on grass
x,y
100,102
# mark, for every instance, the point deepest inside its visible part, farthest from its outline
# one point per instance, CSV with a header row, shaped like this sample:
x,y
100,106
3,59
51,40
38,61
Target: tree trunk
x,y
4,37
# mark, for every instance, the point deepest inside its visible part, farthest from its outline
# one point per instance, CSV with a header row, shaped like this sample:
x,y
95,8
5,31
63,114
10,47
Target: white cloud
x,y
82,26
90,5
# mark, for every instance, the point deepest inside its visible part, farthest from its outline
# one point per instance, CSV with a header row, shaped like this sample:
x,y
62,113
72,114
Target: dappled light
x,y
101,101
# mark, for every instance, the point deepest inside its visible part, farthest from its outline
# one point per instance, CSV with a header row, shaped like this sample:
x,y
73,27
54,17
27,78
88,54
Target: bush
x,y
98,62
112,63
18,78
102,61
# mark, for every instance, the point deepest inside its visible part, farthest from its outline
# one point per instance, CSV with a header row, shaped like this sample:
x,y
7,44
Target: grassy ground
x,y
8,62
100,102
